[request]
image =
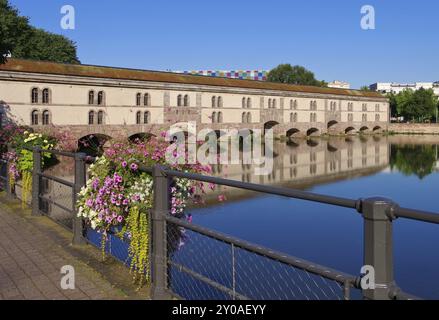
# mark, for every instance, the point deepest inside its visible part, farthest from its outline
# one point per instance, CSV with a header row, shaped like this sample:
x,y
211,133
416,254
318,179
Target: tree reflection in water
x,y
419,160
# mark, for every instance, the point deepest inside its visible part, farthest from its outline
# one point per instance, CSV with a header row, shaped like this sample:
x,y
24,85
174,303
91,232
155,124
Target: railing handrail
x,y
396,212
311,267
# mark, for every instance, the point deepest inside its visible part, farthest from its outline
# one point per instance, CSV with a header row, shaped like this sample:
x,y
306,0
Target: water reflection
x,y
419,160
303,163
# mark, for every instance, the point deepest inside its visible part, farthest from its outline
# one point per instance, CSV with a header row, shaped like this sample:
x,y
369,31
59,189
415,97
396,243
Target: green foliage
x,y
393,104
27,42
419,160
365,89
286,73
25,162
137,227
415,106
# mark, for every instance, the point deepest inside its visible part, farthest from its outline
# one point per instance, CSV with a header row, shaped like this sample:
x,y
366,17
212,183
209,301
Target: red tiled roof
x,y
81,70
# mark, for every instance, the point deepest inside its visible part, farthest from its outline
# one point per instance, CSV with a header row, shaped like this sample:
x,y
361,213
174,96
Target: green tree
x,y
417,106
365,88
24,41
14,31
393,104
286,73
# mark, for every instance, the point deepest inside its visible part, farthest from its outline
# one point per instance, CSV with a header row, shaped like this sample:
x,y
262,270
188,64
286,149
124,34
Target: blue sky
x,y
324,36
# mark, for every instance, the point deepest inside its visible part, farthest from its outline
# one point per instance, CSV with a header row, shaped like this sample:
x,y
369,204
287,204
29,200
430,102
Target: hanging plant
x,y
118,197
21,160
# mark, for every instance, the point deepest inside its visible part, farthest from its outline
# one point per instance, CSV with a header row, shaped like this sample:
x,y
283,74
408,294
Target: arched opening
x,y
312,132
46,118
101,117
91,97
377,129
332,124
34,95
220,117
101,98
46,96
146,117
141,137
93,144
293,132
146,100
34,117
91,117
364,129
350,130
270,125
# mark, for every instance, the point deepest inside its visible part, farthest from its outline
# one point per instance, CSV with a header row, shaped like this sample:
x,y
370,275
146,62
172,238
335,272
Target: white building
x,y
339,84
392,87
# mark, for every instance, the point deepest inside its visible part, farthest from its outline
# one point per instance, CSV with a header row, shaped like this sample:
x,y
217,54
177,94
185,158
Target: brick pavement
x,y
30,265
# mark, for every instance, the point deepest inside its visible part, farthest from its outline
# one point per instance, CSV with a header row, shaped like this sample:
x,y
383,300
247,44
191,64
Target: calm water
x,y
405,169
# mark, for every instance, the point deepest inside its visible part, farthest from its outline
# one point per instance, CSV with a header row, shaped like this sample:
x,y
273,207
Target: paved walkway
x,y
30,264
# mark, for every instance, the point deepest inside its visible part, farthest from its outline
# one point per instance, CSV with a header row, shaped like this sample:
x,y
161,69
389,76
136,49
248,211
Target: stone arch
x,y
141,137
377,129
313,132
364,129
93,144
270,125
349,130
293,132
332,124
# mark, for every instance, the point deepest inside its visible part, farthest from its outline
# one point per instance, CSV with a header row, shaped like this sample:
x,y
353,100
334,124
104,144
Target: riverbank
x,y
414,128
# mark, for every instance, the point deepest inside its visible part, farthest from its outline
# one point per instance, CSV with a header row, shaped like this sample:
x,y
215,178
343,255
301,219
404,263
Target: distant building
x,y
260,75
392,87
339,84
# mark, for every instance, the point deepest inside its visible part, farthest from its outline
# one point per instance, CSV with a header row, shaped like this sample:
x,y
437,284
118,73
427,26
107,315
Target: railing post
x,y
80,181
36,182
378,246
159,272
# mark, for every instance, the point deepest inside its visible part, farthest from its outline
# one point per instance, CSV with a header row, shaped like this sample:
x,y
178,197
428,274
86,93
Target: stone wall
x,y
414,128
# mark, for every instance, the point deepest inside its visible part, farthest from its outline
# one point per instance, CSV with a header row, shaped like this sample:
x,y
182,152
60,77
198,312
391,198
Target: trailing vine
x,y
137,229
26,178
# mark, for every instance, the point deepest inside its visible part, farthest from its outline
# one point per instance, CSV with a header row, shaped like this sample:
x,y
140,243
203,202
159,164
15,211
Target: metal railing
x,y
194,262
378,215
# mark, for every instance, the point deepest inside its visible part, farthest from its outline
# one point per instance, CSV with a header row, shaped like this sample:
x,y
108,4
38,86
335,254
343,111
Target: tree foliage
x,y
365,89
286,73
22,40
415,106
